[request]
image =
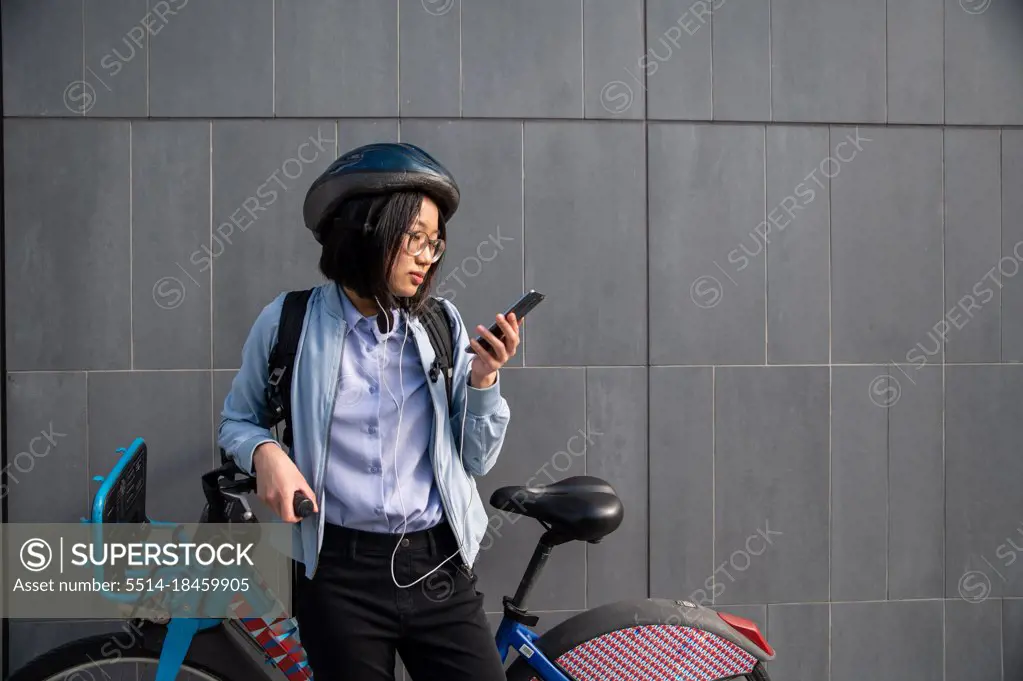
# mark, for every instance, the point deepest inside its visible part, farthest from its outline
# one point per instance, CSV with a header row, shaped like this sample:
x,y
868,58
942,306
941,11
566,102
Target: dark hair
x,y
363,241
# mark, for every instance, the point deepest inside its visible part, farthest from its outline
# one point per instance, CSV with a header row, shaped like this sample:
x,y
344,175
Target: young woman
x,y
385,560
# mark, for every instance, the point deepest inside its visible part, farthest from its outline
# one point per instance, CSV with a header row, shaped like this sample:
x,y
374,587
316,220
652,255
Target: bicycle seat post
x,y
536,564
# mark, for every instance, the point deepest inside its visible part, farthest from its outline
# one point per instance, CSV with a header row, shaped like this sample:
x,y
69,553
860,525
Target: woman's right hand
x,y
277,480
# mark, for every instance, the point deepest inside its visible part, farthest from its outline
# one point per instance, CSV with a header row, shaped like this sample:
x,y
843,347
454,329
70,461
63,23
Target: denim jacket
x,y
313,390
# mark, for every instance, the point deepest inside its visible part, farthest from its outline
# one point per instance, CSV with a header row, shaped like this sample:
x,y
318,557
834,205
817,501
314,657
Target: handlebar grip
x,y
302,505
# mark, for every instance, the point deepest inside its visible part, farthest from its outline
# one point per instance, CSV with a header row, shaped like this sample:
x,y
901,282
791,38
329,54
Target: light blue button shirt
x,y
363,475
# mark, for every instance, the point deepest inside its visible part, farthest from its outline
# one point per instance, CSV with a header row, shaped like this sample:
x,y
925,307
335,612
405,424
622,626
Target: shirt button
x,y
372,390
379,510
372,430
374,469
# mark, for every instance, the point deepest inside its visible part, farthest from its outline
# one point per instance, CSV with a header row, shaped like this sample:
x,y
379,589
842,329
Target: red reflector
x,y
749,630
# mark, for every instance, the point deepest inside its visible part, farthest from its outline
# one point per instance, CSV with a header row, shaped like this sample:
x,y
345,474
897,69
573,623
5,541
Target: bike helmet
x,y
374,169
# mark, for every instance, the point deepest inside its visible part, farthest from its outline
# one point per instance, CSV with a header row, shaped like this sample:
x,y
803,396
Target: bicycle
x,y
643,640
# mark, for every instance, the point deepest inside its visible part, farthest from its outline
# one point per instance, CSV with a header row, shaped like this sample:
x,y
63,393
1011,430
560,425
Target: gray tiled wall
x,y
780,243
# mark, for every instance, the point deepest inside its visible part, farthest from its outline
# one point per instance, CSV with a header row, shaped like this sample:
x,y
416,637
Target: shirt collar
x,y
352,316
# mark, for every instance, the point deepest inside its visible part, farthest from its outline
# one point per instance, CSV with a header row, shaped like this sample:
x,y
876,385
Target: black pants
x,y
352,618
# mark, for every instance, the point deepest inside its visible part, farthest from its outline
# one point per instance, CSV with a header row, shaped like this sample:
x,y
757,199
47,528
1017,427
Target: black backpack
x,y
282,356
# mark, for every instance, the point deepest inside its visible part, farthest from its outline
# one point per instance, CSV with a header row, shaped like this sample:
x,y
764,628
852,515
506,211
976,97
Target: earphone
x,y
397,438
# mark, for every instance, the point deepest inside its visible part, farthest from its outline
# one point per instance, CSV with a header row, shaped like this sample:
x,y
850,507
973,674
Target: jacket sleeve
x,y
243,421
486,411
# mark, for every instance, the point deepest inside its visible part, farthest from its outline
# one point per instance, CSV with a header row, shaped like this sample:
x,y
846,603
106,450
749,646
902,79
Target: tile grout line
x,y
559,366
831,344
944,360
649,482
149,43
1001,634
645,84
767,259
646,237
831,416
944,87
888,496
212,333
82,7
273,62
586,455
713,477
793,123
214,423
711,38
831,258
770,61
212,361
831,446
582,56
522,212
131,248
397,7
88,453
461,77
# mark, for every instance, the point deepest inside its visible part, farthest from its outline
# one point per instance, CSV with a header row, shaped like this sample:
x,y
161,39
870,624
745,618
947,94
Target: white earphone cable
x,y
397,437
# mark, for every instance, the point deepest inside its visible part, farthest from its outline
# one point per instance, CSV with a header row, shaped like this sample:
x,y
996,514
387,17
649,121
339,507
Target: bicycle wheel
x,y
111,657
645,641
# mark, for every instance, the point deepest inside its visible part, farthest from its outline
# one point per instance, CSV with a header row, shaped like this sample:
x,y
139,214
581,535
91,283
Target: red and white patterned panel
x,y
278,637
659,652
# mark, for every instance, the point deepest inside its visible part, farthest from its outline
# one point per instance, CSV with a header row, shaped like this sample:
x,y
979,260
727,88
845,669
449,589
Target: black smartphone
x,y
521,308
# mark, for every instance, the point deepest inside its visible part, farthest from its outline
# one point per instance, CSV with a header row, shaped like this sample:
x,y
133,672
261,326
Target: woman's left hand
x,y
486,364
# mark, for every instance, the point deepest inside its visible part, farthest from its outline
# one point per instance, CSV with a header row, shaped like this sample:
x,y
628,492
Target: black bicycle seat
x,y
582,507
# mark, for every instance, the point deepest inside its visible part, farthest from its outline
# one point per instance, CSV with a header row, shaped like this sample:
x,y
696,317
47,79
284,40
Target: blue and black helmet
x,y
374,169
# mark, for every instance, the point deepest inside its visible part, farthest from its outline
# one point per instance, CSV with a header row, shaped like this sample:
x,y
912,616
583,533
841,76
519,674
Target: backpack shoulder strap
x,y
281,363
438,326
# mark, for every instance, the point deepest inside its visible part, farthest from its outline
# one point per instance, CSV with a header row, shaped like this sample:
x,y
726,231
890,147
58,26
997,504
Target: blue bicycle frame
x,y
511,634
181,631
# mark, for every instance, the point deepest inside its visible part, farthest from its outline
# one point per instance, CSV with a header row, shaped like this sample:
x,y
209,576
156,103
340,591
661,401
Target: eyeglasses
x,y
416,243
